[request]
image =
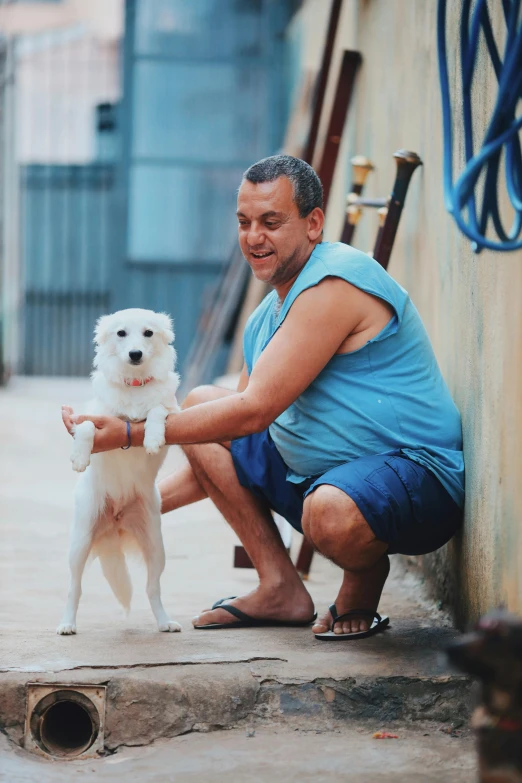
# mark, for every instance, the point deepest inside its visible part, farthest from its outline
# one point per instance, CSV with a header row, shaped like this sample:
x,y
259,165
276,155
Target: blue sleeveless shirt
x,y
386,396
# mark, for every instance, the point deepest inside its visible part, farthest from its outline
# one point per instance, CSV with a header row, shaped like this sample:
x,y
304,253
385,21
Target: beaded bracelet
x,y
128,437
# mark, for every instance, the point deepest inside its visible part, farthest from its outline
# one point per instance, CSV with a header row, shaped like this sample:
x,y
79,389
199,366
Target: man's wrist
x,y
137,433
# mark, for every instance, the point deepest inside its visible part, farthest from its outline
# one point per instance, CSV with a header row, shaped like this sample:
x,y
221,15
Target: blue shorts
x,y
405,505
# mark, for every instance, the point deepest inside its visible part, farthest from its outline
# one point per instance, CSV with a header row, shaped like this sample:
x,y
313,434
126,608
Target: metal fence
x,y
67,230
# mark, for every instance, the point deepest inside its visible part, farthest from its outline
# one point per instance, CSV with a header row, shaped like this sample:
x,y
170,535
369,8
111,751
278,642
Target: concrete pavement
x,y
168,684
238,756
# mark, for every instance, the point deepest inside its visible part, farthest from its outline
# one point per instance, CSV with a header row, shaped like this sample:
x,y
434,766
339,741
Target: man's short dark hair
x,y
308,190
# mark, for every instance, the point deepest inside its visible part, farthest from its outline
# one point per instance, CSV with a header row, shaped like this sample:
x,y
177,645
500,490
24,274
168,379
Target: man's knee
x,y
332,518
202,394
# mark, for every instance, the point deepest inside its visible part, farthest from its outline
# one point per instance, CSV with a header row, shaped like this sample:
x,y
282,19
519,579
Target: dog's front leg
x,y
155,429
82,445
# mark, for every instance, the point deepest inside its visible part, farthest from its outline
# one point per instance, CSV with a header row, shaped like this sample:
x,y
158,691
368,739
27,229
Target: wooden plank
x,y
215,322
322,80
343,94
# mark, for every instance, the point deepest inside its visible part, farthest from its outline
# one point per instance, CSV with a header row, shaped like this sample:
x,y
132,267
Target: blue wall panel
x,y
204,89
181,292
201,29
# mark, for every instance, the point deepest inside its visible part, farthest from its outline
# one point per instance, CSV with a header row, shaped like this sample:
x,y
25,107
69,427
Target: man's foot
x,y
359,590
291,603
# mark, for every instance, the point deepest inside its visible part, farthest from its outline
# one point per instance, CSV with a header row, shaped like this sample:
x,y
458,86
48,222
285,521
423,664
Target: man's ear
x,y
101,331
315,223
166,328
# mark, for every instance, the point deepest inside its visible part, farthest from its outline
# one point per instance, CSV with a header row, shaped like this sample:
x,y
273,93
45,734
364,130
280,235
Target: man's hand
x,y
111,432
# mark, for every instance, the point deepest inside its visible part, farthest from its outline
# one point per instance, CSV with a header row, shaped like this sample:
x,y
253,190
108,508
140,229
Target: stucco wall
x,y
471,304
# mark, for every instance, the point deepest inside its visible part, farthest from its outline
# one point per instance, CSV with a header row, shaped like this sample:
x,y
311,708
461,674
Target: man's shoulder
x,y
339,256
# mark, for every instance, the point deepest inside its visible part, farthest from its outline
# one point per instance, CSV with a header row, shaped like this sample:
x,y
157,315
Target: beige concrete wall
x,y
471,304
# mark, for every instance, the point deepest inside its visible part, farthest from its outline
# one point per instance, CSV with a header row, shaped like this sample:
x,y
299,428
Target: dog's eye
x,y
122,333
148,333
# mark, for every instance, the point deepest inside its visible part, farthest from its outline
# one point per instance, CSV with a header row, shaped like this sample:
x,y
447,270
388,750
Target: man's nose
x,y
256,236
135,356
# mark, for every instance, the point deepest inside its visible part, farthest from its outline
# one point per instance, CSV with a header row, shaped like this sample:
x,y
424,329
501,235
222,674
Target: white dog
x,y
117,502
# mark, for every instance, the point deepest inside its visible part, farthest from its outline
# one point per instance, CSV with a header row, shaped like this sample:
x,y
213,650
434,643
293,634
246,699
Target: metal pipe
x,y
358,201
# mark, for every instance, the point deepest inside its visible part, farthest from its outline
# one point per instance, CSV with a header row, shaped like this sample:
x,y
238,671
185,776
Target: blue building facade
x,y
204,96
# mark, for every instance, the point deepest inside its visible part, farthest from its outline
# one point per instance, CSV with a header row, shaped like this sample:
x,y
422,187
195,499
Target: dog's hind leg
x,y
81,543
154,553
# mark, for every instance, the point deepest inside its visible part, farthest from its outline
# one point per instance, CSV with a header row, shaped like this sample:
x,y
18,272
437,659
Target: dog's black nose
x,y
135,356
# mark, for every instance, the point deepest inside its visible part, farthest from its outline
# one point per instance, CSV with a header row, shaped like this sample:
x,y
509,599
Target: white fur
x,y
117,502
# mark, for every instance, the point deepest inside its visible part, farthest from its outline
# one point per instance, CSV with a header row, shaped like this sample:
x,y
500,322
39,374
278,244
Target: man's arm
x,y
243,379
318,322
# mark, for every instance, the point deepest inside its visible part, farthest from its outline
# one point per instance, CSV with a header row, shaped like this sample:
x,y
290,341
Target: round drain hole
x,y
65,723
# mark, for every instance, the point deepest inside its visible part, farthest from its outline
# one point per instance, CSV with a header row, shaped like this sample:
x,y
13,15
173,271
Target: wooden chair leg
x,y
304,559
241,558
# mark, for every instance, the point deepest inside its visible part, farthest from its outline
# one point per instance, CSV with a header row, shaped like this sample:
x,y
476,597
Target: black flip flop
x,y
245,621
378,624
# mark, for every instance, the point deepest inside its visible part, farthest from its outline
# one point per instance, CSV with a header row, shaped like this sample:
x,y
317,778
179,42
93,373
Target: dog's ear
x,y
166,328
101,331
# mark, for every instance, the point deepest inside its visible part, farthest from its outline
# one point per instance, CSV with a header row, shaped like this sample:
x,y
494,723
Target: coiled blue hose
x,y
501,135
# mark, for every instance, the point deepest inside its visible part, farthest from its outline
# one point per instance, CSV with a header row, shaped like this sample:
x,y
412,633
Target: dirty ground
x,y
281,682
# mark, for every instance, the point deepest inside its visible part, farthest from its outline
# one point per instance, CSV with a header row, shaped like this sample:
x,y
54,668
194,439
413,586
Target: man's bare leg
x,y
333,522
180,489
281,594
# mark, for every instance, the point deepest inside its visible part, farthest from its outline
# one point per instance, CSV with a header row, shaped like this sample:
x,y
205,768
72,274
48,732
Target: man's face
x,y
274,240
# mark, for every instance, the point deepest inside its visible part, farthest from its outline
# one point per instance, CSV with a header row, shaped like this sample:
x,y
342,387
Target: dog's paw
x,y
66,629
80,459
153,444
79,464
170,627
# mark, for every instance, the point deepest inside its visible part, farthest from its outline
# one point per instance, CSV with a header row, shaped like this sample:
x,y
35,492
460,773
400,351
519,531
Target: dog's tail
x,y
114,567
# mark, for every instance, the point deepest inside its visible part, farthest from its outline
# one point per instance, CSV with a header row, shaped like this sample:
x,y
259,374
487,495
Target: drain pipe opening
x,y
66,729
64,724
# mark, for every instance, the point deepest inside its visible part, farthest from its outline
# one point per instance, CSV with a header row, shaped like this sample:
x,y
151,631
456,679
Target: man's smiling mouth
x,y
262,255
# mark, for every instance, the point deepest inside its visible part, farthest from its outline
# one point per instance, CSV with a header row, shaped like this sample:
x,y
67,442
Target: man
x,y
341,422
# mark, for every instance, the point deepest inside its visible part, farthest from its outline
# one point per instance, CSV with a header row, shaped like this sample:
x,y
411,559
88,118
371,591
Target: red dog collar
x,y
137,381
